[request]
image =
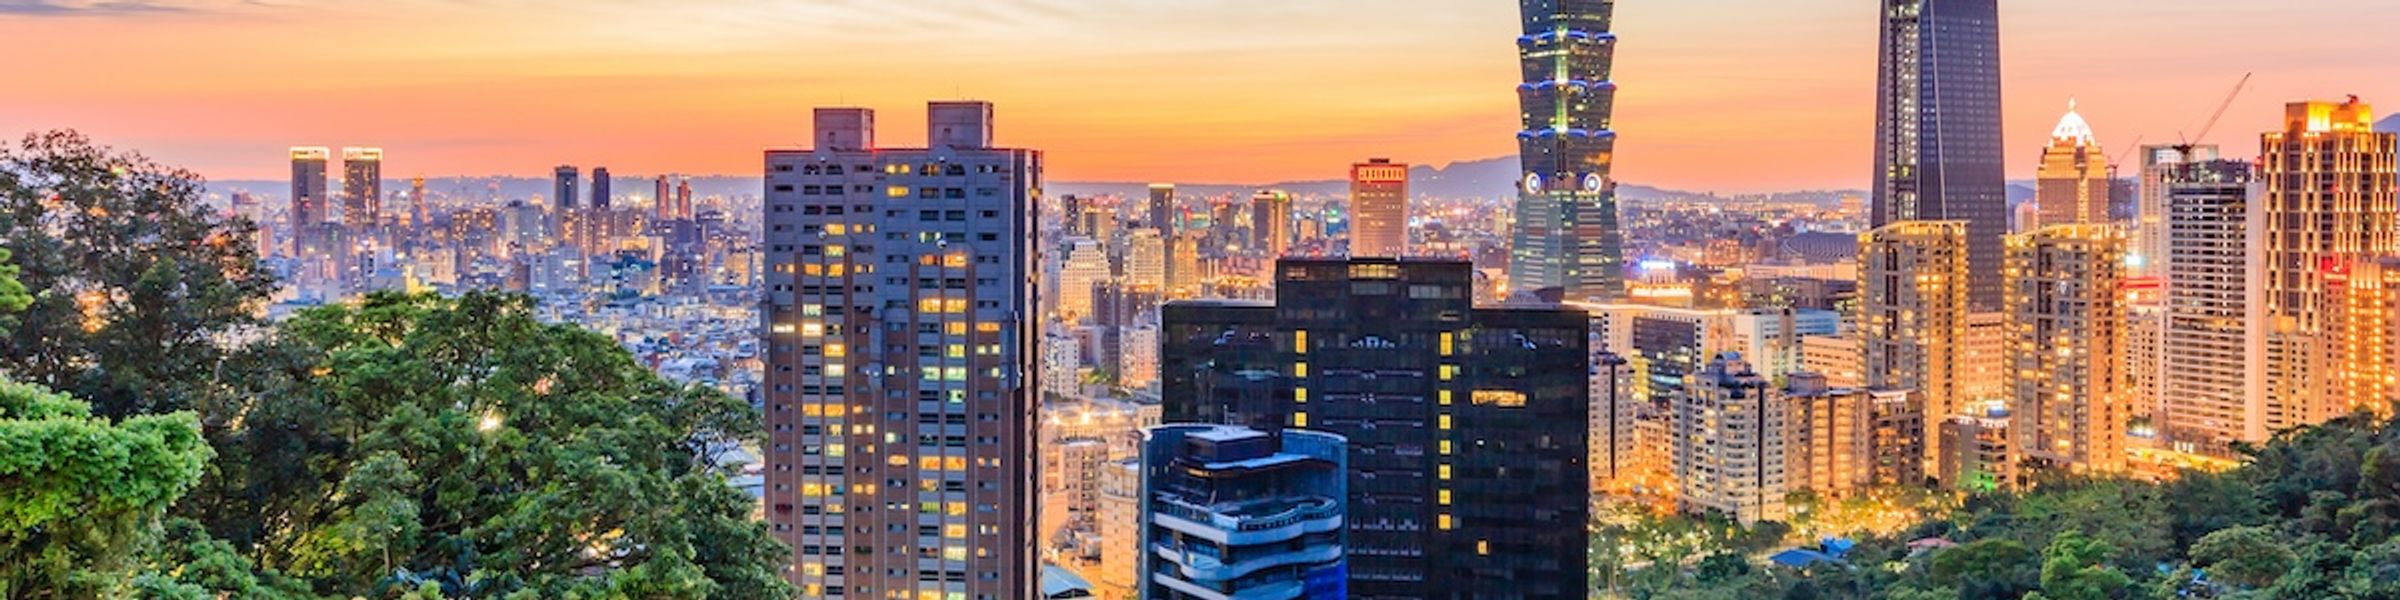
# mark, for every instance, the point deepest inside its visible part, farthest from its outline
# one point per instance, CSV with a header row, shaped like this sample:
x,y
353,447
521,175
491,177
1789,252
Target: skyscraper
x,y
1379,208
1477,417
901,459
600,191
563,182
2073,182
1231,512
1913,316
1271,222
1938,150
1082,265
2330,204
2208,269
1566,230
362,190
1162,208
308,187
2066,346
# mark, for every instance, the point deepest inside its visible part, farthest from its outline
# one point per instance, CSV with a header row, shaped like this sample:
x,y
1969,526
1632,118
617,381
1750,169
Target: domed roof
x,y
2072,127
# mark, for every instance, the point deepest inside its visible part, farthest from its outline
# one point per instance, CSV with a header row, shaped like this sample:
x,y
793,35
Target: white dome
x,y
2072,127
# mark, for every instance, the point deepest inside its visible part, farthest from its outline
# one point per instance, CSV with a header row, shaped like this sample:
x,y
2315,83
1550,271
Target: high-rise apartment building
x,y
1729,443
1184,279
600,189
2209,276
1379,208
362,190
1271,222
1938,152
1616,413
2066,347
2150,235
1566,233
1120,525
1469,423
2072,185
1237,513
2329,204
1145,260
1913,311
1829,437
900,386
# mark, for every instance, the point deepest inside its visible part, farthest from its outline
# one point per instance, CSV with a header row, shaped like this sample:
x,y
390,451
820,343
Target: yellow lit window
x,y
1299,369
1445,446
956,351
955,261
1483,547
1444,422
1300,395
1449,372
958,530
836,351
1442,472
1300,342
784,328
812,329
1442,497
1442,521
988,327
836,370
955,328
837,251
1448,344
837,229
1445,397
1299,419
896,191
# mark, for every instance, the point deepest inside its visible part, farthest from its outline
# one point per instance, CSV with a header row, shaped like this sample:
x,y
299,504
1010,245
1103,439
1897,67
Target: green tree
x,y
413,440
2251,557
134,282
1998,568
81,497
2075,567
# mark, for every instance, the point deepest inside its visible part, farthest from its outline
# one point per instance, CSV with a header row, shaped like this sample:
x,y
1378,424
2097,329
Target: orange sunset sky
x,y
1719,95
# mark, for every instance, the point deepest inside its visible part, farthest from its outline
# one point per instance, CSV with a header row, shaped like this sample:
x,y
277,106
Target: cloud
x,y
60,8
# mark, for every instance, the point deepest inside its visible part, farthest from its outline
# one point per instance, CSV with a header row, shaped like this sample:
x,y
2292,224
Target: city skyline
x,y
1788,81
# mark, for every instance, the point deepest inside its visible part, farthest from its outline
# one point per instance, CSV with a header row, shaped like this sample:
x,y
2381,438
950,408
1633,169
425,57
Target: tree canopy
x,y
414,441
81,497
135,283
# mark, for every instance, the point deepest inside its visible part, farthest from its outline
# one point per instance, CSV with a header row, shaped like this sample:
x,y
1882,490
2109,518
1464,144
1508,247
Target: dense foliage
x,y
399,447
134,281
2314,516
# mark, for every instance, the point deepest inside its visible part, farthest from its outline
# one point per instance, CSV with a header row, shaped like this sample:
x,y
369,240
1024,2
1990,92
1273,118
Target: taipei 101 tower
x,y
1566,232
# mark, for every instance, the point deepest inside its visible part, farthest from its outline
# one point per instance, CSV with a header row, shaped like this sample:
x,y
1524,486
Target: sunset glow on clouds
x,y
1728,95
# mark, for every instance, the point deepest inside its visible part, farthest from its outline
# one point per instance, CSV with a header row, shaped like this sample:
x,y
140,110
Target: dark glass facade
x,y
1467,426
1938,150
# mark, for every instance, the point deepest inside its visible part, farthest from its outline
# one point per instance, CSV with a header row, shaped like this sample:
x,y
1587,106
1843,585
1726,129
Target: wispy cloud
x,y
61,8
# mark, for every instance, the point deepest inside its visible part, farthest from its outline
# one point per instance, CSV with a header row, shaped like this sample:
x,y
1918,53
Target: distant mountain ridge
x,y
2390,124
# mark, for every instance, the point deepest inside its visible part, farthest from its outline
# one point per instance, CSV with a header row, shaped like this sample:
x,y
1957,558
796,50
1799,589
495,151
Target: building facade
x,y
1467,424
1913,311
2329,204
2208,281
900,343
2072,185
1566,233
1378,208
1271,222
1938,151
1231,513
2066,347
1729,444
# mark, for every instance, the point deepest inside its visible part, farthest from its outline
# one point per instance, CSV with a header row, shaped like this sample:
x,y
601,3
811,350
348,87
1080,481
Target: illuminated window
x,y
1445,446
955,328
1448,344
896,191
837,251
1299,419
1442,472
956,351
1449,372
1500,398
836,370
1442,497
836,351
812,329
1300,342
1443,421
836,450
1483,547
1299,369
1300,395
988,327
1444,396
1442,521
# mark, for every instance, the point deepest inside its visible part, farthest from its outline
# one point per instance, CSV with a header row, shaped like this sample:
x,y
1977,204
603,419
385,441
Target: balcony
x,y
1250,523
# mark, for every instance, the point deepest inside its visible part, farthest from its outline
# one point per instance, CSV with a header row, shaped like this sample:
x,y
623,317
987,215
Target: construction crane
x,y
2185,148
